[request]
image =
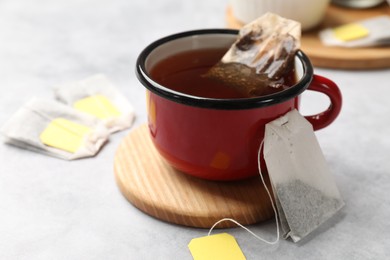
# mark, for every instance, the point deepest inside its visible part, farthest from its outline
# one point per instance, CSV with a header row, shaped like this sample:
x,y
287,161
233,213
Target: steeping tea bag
x,y
263,53
98,97
55,129
305,191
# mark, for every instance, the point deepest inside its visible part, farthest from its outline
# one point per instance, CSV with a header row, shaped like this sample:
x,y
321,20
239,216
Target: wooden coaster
x,y
338,57
157,189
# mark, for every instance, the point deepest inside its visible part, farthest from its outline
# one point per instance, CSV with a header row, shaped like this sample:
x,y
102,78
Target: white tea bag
x,y
98,97
260,57
305,191
370,32
52,128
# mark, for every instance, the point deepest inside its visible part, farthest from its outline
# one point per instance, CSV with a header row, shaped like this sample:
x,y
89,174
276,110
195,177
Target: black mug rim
x,y
227,104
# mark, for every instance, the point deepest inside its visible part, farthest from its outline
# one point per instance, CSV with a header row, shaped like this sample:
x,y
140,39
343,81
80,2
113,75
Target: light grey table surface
x,y
55,209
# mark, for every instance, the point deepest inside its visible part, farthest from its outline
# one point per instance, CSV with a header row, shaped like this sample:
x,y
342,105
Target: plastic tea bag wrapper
x,y
305,191
263,53
98,97
52,128
370,32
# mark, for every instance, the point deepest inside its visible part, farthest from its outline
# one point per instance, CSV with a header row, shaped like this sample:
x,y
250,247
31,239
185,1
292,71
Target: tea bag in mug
x,y
98,97
55,129
263,53
305,191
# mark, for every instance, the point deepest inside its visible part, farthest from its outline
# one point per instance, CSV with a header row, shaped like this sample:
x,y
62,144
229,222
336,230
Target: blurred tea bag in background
x,y
263,53
370,32
98,97
55,129
305,191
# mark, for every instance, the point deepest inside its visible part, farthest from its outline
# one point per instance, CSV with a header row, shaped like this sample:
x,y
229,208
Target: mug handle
x,y
329,88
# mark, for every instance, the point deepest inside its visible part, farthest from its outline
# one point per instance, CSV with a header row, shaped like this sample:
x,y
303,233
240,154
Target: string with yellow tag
x,y
369,32
54,129
306,195
216,247
224,246
98,97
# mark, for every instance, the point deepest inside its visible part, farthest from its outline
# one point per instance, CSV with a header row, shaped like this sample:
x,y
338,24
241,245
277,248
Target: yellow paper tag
x,y
216,247
64,134
350,32
98,106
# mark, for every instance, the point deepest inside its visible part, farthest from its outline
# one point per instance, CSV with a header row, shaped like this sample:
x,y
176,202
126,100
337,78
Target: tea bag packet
x,y
52,128
305,191
263,53
98,97
370,32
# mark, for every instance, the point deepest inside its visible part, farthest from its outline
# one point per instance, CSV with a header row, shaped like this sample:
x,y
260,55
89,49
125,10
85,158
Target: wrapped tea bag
x,y
369,32
305,191
55,129
98,97
263,53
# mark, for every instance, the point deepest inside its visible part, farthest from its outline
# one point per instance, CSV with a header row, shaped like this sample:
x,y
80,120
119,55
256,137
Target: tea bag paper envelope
x,y
305,191
54,129
263,53
369,32
98,97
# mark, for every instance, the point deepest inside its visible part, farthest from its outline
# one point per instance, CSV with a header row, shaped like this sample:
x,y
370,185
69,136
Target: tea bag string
x,y
272,203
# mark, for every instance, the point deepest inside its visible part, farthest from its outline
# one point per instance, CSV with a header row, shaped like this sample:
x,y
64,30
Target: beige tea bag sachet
x,y
305,191
98,97
365,33
263,53
55,129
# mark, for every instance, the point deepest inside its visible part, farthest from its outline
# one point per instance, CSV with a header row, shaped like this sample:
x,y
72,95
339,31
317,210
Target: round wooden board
x,y
338,57
157,189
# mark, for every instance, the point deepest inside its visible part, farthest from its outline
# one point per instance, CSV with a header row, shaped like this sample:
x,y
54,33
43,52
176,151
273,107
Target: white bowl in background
x,y
308,12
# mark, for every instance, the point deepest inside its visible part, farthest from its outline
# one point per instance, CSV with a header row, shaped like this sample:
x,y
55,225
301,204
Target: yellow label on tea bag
x,y
350,32
216,247
64,134
98,106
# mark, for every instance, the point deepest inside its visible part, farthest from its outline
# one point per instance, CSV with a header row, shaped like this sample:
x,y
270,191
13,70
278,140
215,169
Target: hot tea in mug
x,y
186,72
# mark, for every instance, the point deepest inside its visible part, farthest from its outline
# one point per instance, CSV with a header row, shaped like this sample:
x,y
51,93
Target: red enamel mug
x,y
218,139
